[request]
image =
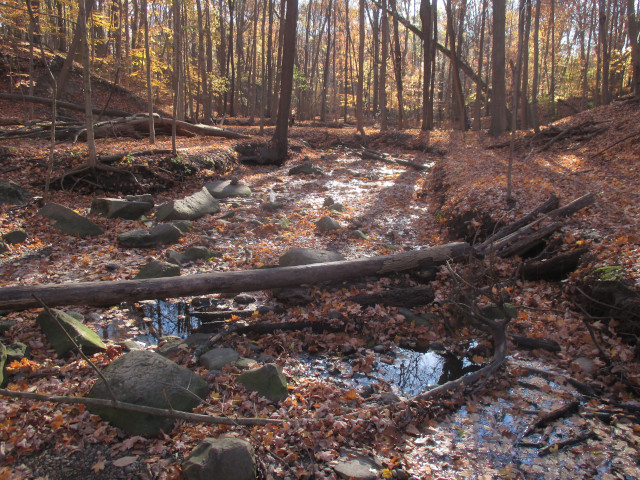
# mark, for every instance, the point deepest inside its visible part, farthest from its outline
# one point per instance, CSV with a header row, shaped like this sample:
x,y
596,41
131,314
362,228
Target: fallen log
x,y
554,268
383,157
113,292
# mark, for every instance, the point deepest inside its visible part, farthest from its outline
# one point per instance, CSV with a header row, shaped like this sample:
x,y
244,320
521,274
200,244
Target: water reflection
x,y
159,318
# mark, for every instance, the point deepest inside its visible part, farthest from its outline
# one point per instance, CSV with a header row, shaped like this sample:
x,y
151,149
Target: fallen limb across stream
x,y
114,292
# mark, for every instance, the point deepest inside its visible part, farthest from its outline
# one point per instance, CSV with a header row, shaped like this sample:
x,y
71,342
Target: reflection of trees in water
x,y
453,368
166,318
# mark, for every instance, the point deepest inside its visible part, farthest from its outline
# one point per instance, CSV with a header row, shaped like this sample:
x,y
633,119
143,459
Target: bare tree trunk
x,y
254,94
279,141
477,115
384,57
397,64
457,86
536,69
632,23
177,73
325,73
346,59
498,81
552,88
525,66
426,13
88,112
147,51
359,85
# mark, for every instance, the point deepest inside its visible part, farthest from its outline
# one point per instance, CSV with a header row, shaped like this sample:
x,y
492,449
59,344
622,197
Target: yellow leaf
x,y
351,394
98,466
386,473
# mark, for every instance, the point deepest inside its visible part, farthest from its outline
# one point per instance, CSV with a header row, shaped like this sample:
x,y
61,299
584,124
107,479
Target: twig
x,y
54,315
130,407
566,443
627,137
547,417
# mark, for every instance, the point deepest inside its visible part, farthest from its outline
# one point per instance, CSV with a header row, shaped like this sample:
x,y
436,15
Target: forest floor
x,y
472,434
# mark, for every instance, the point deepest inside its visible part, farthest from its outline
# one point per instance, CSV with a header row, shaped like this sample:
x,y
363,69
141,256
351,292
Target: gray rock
x,y
81,334
244,299
118,208
145,378
162,234
17,236
192,254
169,345
227,188
197,339
246,363
6,325
306,169
183,225
216,358
328,223
158,269
268,381
68,221
585,364
131,345
359,234
328,201
192,207
13,194
221,459
272,206
17,351
337,207
417,320
359,468
306,256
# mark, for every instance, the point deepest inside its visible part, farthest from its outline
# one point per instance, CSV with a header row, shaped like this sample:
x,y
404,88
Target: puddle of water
x,y
409,372
158,318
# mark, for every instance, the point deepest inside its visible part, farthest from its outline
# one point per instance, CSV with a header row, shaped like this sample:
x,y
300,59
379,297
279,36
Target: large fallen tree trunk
x,y
113,292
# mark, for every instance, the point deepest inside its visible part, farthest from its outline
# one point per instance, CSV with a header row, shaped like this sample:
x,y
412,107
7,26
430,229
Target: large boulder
x,y
222,459
81,334
145,378
68,221
216,358
227,188
162,234
192,207
13,194
119,208
15,236
306,256
268,381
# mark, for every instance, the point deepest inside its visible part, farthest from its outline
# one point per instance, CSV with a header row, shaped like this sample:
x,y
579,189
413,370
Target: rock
x,y
162,234
337,207
183,225
328,223
169,345
359,234
145,197
13,194
192,207
6,325
191,254
17,351
131,345
246,363
227,188
118,208
272,206
306,169
82,335
196,339
417,320
145,378
584,364
244,299
306,256
221,459
216,358
293,295
174,257
68,221
268,381
3,247
359,468
3,361
389,398
158,269
328,201
17,236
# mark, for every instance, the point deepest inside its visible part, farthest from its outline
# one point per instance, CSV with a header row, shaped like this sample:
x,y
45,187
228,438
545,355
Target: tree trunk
x,y
325,73
112,292
498,82
397,64
525,67
279,142
460,115
147,50
91,142
477,115
359,85
426,13
536,69
552,88
384,57
632,26
177,71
